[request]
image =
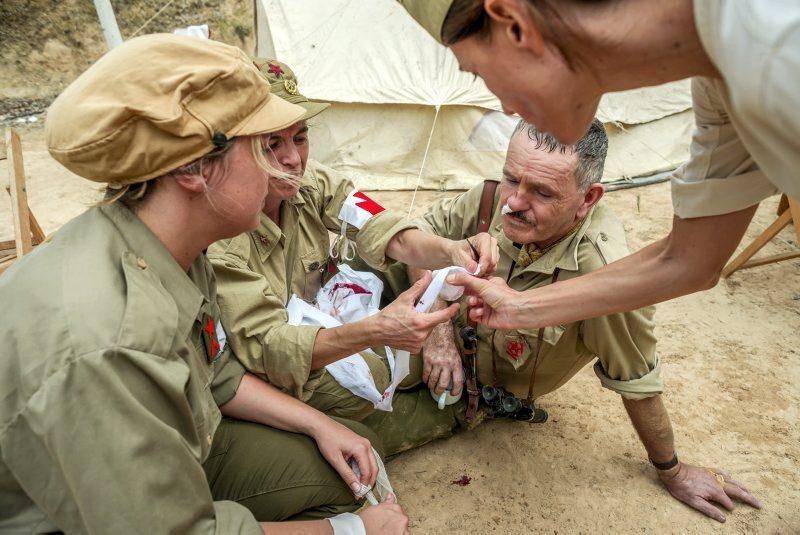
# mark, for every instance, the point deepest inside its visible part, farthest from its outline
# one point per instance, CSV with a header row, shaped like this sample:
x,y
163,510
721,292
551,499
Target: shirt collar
x,y
563,255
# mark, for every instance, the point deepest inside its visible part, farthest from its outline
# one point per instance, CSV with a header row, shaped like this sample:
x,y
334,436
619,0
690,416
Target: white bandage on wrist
x,y
347,524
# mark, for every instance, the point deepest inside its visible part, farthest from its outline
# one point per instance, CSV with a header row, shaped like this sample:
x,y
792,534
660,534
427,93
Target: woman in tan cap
x,y
290,253
551,61
123,407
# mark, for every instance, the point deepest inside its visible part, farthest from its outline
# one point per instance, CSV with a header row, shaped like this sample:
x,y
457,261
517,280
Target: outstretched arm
x,y
688,260
695,486
428,251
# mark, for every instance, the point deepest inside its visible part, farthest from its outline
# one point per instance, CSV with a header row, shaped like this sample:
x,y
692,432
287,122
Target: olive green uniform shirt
x,y
258,272
109,393
623,344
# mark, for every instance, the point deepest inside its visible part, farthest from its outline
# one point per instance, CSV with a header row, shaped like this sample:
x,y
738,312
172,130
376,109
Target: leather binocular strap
x,y
485,213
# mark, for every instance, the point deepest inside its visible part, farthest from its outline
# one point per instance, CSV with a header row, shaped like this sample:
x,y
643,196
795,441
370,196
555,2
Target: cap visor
x,y
275,115
313,108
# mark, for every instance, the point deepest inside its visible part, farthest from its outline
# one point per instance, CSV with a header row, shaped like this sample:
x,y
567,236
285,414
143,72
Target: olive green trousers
x,y
276,474
326,395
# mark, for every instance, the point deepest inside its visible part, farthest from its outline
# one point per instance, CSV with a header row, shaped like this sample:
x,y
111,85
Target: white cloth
x,y
746,146
351,296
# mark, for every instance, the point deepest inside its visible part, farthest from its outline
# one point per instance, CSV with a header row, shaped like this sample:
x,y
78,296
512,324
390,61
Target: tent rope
x,y
165,6
424,160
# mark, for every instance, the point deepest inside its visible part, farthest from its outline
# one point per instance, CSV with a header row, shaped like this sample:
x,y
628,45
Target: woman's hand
x,y
338,445
385,518
491,302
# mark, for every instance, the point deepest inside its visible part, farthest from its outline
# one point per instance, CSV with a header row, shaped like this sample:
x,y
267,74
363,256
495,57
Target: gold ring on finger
x,y
720,479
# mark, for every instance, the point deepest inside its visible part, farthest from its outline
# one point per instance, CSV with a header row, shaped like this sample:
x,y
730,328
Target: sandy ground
x,y
730,359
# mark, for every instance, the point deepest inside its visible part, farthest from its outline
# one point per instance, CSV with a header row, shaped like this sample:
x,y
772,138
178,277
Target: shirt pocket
x,y
518,347
513,347
313,264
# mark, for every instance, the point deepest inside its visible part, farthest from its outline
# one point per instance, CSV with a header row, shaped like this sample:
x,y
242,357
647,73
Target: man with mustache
x,y
550,226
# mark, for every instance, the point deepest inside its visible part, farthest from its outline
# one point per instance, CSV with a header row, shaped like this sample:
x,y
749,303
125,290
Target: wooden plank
x,y
6,263
784,219
8,245
36,229
771,259
3,149
783,204
794,208
19,197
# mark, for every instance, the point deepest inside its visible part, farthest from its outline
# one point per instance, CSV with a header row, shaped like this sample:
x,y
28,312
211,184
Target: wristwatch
x,y
672,463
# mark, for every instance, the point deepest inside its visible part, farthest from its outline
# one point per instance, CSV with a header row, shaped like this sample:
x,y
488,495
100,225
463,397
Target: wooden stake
x,y
19,197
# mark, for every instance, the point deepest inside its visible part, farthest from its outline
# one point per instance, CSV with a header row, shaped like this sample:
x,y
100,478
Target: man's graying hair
x,y
591,149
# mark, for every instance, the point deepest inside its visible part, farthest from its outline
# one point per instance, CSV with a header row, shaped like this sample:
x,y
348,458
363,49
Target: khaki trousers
x,y
276,474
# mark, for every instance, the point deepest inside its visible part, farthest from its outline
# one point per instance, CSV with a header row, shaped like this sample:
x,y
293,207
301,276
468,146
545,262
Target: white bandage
x,y
506,209
347,524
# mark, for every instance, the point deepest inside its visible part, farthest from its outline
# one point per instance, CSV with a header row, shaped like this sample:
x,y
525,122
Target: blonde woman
x,y
123,408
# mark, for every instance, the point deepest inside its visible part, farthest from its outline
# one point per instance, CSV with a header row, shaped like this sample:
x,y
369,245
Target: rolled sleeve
x,y
260,335
227,379
646,386
625,347
121,453
721,176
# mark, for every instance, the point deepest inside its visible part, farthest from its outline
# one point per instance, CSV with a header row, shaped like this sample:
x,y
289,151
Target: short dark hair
x,y
468,18
591,150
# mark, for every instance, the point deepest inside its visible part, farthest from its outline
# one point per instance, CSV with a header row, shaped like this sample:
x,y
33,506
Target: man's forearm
x,y
688,260
651,421
420,249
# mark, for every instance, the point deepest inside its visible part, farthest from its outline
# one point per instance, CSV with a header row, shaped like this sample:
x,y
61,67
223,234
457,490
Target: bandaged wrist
x,y
347,524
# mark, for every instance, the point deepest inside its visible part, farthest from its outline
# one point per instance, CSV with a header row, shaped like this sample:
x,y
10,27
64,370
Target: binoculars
x,y
504,404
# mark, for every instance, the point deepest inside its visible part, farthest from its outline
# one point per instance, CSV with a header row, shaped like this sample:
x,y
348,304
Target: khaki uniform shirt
x,y
258,272
623,344
746,146
109,397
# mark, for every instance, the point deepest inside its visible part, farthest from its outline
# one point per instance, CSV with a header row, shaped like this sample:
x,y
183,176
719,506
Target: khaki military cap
x,y
157,102
283,82
430,14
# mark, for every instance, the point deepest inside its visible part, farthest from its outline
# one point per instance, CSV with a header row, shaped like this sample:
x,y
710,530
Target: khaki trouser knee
x,y
276,474
333,399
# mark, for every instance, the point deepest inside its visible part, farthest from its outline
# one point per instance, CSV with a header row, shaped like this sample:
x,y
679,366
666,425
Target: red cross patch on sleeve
x,y
213,338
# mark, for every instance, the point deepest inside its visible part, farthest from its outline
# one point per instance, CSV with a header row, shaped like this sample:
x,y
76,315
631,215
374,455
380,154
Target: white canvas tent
x,y
398,96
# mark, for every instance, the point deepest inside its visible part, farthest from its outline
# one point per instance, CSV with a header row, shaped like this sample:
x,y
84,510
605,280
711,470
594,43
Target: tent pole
x,y
108,22
265,47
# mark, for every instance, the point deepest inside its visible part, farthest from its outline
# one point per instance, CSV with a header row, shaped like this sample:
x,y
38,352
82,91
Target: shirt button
x,y
603,236
141,263
209,439
314,266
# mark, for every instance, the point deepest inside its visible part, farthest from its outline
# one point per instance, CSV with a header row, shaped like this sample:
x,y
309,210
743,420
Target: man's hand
x,y
698,487
338,445
401,327
479,250
441,361
491,302
387,517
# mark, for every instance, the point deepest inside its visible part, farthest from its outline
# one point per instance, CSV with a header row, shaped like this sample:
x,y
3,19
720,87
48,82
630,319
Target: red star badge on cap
x,y
275,69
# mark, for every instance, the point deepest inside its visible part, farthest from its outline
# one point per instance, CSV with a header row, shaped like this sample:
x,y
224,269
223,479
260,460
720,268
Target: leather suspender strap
x,y
486,208
538,350
485,212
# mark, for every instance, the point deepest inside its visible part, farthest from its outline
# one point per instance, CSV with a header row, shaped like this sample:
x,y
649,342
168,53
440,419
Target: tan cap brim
x,y
275,115
313,108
